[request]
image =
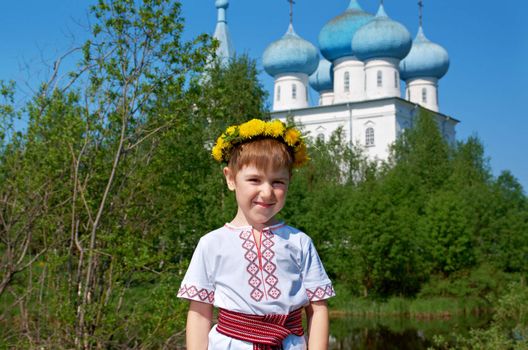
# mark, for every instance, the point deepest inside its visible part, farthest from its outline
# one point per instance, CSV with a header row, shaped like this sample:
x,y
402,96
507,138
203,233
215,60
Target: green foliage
x,y
8,113
508,330
507,232
446,228
82,248
484,282
422,154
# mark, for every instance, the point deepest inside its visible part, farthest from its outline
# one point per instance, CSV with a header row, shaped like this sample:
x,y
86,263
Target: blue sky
x,y
486,87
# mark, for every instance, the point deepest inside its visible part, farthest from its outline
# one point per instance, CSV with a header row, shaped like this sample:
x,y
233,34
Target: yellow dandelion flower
x,y
292,136
217,153
300,155
230,130
219,147
252,128
220,142
274,128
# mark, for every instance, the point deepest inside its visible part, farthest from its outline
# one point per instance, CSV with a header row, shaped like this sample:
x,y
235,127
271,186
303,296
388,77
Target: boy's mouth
x,y
264,205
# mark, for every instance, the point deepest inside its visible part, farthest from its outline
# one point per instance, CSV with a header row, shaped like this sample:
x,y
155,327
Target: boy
x,y
259,272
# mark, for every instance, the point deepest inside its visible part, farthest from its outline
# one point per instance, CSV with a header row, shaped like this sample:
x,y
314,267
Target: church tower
x,y
290,60
322,81
422,68
382,44
335,43
224,52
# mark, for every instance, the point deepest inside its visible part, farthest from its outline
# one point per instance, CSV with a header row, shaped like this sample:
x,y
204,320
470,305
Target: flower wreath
x,y
257,128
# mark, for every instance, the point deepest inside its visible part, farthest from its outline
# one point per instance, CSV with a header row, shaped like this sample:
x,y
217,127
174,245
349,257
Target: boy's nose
x,y
266,190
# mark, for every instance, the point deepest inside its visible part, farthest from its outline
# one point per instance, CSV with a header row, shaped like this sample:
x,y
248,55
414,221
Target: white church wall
x,y
447,129
406,118
386,117
373,130
349,80
382,78
326,98
423,91
291,91
320,122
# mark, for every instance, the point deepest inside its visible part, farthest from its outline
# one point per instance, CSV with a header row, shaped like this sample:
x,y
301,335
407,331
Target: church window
x,y
278,93
347,81
380,78
321,137
306,91
369,137
424,95
396,80
294,91
437,96
408,94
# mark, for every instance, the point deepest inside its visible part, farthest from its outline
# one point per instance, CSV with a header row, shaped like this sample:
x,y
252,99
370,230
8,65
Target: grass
x,y
426,306
420,308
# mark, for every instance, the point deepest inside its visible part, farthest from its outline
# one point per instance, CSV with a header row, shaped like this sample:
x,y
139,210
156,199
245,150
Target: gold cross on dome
x,y
292,2
420,5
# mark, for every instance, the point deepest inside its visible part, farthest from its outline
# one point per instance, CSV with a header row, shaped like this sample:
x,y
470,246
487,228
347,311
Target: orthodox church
x,y
365,58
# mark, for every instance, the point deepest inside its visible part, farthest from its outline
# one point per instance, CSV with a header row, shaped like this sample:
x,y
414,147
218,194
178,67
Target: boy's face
x,y
260,195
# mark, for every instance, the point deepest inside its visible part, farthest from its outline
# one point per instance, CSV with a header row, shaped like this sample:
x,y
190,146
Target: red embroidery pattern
x,y
191,292
268,266
320,293
253,269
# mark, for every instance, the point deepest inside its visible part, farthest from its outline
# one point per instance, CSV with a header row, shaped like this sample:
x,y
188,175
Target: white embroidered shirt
x,y
229,270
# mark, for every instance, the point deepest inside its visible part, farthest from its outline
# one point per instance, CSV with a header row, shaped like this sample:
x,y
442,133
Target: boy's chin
x,y
267,223
260,222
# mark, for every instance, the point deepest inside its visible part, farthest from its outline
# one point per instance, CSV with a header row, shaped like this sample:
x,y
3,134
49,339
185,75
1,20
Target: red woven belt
x,y
265,332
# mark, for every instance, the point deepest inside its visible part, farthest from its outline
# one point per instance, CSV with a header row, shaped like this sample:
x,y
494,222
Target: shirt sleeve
x,y
198,282
316,282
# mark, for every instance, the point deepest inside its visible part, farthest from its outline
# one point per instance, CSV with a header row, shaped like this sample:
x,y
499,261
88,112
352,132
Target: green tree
x,y
422,155
390,248
506,240
73,185
445,225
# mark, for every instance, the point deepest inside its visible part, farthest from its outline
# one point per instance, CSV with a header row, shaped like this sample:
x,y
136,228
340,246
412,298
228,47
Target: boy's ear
x,y
230,179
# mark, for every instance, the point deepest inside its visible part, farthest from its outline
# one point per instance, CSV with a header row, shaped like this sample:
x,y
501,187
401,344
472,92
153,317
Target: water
x,y
391,333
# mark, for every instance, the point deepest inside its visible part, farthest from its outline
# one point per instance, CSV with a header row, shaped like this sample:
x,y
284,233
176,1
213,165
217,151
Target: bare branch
x,y
57,64
24,250
144,138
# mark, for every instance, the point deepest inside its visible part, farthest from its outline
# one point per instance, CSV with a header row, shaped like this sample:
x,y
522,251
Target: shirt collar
x,y
268,228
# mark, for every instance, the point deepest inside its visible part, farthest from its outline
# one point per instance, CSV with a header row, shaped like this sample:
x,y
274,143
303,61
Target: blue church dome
x,y
336,35
290,54
426,59
322,79
224,4
381,37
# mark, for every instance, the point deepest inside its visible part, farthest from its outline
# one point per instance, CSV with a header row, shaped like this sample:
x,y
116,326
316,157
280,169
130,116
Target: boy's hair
x,y
264,154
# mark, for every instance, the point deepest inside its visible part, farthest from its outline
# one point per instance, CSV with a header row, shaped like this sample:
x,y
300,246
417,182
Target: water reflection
x,y
394,332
